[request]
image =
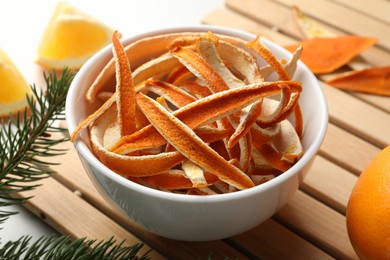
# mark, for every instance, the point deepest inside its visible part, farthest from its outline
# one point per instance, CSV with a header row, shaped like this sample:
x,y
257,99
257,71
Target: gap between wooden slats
x,y
74,177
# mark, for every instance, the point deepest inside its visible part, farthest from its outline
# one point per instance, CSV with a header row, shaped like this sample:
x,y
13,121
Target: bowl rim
x,y
83,149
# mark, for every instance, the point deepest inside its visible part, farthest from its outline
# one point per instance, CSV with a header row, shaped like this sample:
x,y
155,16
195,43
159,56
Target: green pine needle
x,y
64,248
24,139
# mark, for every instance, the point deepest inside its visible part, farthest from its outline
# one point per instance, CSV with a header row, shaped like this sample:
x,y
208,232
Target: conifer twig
x,y
24,139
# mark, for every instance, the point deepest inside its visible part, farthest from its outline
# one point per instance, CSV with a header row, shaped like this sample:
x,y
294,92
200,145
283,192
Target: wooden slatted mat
x,y
312,224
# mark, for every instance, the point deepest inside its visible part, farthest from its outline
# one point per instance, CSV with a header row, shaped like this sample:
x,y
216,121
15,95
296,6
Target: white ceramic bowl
x,y
190,217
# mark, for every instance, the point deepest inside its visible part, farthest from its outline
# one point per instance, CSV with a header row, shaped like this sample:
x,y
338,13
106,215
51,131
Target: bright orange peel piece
x,y
374,80
187,143
325,55
126,94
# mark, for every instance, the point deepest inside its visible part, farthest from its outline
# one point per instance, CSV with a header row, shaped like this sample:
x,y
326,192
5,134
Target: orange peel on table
x,y
374,80
196,119
309,27
327,54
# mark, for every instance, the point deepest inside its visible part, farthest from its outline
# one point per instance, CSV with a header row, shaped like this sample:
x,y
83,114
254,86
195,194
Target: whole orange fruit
x,y
368,210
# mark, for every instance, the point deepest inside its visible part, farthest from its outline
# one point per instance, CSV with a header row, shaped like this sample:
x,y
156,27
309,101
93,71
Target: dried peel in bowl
x,y
201,118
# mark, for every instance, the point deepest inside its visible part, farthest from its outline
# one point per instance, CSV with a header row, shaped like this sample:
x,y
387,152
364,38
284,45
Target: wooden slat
x,y
343,18
271,240
375,9
268,13
229,18
317,223
71,215
380,102
347,150
350,113
329,183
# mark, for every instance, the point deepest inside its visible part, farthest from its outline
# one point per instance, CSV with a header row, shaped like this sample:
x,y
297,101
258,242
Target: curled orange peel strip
x,y
91,118
192,147
129,166
271,112
246,123
177,180
200,68
273,157
267,55
196,89
179,75
287,142
208,50
126,95
136,51
172,93
241,60
283,114
298,120
194,173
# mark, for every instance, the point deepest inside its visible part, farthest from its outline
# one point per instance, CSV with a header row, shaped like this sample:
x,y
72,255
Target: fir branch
x,y
25,138
64,248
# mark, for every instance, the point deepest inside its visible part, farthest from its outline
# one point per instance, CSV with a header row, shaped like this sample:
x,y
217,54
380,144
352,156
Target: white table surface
x,y
22,23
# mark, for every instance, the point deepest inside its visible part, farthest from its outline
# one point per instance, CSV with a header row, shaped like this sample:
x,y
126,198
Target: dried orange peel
x,y
325,55
199,118
126,95
375,80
